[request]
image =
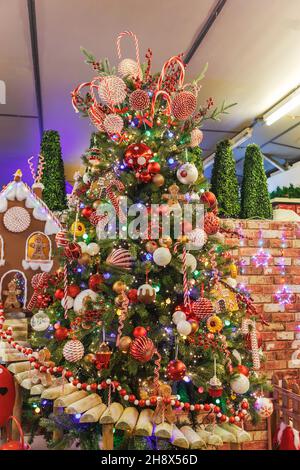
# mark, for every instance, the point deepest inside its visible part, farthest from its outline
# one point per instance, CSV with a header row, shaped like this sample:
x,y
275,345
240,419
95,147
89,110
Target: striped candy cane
x,y
122,317
76,93
249,327
65,299
136,43
174,59
167,97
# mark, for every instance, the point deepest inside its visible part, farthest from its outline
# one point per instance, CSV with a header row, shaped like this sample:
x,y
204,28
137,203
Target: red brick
x,y
255,445
283,316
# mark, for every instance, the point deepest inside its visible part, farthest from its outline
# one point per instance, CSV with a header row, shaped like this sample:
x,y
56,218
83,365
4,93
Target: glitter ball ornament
x,y
61,239
137,155
187,173
184,105
73,350
129,68
112,90
151,246
142,349
196,137
240,384
176,370
139,100
264,407
211,223
146,294
113,124
202,308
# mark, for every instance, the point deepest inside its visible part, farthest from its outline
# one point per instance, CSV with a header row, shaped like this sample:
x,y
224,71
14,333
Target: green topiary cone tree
x,y
224,183
54,193
255,197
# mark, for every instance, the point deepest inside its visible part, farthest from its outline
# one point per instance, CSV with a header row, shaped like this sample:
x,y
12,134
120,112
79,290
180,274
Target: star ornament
x,y
261,259
284,296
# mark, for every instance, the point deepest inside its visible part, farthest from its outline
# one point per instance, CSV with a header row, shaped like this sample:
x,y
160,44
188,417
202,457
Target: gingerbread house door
x,y
13,290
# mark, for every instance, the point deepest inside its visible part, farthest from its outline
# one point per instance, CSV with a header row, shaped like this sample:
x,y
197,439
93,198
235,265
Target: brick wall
x,y
263,284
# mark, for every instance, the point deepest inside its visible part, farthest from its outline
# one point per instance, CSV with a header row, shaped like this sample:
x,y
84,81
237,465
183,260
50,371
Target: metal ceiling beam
x,y
35,62
204,30
274,162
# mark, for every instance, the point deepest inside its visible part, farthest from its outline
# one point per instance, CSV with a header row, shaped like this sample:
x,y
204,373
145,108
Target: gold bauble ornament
x,y
166,242
119,287
96,204
124,344
85,259
233,271
89,358
158,180
151,246
195,325
183,239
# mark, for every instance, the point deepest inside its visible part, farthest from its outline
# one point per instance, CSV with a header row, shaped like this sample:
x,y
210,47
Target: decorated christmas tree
x,y
146,315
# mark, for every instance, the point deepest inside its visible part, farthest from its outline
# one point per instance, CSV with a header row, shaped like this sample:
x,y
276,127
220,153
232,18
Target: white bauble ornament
x,y
93,249
178,316
40,321
240,384
86,178
83,246
67,303
73,350
129,68
231,282
162,256
187,173
146,294
78,301
191,262
264,407
184,328
197,239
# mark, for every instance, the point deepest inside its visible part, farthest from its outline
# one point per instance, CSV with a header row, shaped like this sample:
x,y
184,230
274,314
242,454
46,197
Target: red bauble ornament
x,y
132,295
61,333
137,155
243,370
59,294
7,395
73,251
87,212
142,349
95,282
211,223
202,308
73,290
209,199
184,105
144,176
153,167
176,370
139,331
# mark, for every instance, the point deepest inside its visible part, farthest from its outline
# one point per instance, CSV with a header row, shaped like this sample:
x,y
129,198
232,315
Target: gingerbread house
x,y
27,231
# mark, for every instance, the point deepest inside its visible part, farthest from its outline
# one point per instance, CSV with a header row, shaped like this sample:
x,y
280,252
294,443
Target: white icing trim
x,y
1,250
25,284
44,266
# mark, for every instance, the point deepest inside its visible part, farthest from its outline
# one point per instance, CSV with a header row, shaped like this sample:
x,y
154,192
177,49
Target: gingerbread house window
x,y
2,260
13,289
38,252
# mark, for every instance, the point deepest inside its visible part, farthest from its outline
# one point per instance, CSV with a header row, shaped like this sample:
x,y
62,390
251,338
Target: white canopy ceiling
x,y
251,48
